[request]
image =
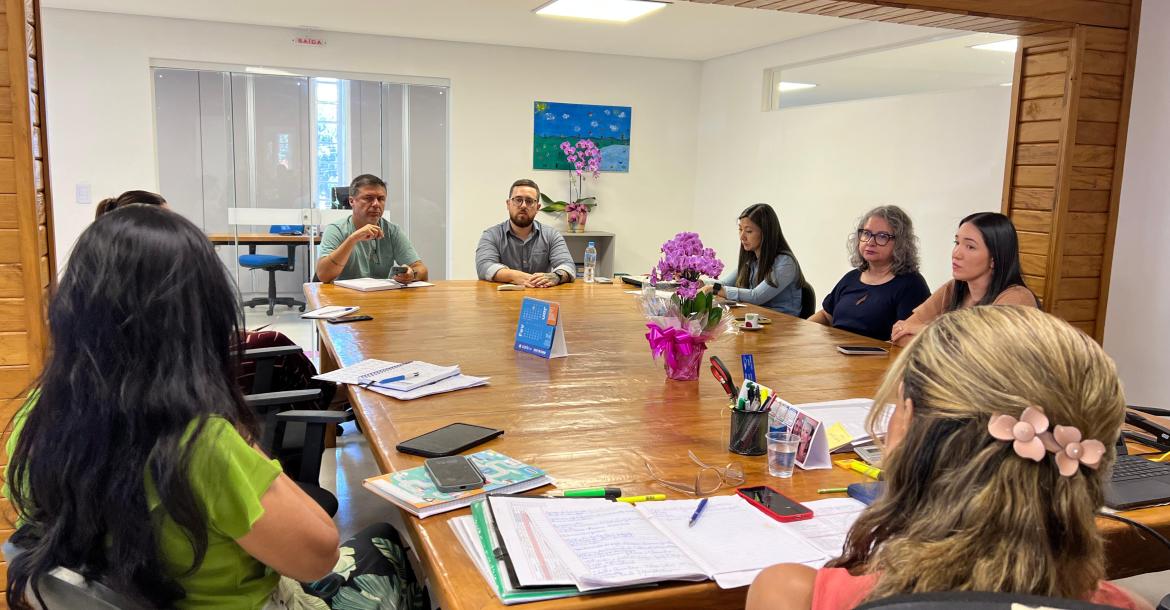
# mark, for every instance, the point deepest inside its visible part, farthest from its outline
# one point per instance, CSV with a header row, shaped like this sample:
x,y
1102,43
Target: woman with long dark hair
x,y
985,264
109,204
767,273
133,462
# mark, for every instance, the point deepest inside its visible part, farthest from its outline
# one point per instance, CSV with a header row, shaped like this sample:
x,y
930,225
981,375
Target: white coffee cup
x,y
751,320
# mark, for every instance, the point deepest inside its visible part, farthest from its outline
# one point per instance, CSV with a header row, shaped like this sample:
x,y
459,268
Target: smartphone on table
x,y
775,504
454,473
862,350
344,319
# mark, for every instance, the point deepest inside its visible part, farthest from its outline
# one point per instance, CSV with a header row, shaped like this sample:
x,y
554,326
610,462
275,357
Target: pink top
x,y
837,589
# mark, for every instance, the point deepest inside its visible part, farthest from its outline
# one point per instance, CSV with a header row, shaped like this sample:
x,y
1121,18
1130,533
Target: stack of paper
x,y
418,378
844,421
597,544
370,284
531,549
414,491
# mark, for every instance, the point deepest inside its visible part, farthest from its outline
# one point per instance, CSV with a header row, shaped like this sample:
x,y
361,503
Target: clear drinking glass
x,y
782,453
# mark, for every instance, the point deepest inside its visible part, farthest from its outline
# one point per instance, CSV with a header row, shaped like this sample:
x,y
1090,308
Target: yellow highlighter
x,y
645,498
866,469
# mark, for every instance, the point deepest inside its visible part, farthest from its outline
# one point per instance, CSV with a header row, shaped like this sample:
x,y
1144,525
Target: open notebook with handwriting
x,y
591,545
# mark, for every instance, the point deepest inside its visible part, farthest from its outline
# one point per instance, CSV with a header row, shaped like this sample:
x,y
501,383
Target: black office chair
x,y
295,437
808,300
272,263
341,198
975,600
65,588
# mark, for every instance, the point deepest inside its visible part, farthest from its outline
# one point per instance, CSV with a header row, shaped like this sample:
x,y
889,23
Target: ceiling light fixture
x,y
600,10
786,86
1007,46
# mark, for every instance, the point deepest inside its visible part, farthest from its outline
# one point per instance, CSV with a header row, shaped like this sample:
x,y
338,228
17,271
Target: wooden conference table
x,y
590,419
260,239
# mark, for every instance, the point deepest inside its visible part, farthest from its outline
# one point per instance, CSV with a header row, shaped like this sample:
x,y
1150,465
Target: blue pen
x,y
398,377
698,512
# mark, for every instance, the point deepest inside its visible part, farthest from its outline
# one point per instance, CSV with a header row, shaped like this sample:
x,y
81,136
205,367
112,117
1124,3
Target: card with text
x,y
539,330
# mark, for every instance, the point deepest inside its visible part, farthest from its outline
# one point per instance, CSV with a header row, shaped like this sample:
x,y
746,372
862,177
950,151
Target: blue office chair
x,y
272,263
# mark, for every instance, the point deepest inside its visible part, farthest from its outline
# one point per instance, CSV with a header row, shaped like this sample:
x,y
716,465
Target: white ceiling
x,y
684,30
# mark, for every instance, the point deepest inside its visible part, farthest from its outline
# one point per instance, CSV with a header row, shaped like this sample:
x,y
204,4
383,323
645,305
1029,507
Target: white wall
x,y
101,130
1138,320
939,156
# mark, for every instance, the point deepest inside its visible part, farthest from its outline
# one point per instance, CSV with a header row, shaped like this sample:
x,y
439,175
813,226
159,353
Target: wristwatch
x,y
717,287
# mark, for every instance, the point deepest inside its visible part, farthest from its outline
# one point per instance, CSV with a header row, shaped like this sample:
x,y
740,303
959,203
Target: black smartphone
x,y
448,440
398,270
344,319
774,504
862,350
454,473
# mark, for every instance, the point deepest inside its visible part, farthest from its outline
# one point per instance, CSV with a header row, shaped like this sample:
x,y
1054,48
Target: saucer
x,y
744,326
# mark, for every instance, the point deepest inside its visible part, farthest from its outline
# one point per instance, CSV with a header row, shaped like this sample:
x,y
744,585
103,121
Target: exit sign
x,y
308,41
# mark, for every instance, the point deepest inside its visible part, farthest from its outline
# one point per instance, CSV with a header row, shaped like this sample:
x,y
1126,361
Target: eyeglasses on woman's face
x,y
880,238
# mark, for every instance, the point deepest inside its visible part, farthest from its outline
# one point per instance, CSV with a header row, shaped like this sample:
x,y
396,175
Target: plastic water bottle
x,y
590,262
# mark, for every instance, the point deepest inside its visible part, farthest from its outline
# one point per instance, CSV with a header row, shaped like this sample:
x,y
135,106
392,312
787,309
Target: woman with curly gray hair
x,y
884,285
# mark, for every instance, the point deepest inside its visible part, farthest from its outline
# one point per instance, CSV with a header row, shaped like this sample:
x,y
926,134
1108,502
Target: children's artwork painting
x,y
607,126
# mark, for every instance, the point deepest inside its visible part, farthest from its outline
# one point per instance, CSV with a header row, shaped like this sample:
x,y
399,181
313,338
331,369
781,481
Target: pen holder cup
x,y
749,432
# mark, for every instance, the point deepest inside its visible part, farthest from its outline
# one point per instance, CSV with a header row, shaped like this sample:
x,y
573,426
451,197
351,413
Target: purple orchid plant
x,y
684,260
584,159
681,325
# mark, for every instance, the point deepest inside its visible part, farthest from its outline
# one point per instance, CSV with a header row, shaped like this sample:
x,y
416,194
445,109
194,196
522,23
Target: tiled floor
x,y
343,470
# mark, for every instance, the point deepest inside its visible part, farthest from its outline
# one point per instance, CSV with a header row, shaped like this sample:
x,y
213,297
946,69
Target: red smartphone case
x,y
808,514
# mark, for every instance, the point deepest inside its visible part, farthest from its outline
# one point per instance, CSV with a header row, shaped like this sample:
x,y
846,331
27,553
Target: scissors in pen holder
x,y
723,376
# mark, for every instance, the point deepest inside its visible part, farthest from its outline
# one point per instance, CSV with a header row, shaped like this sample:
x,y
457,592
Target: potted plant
x,y
681,326
584,158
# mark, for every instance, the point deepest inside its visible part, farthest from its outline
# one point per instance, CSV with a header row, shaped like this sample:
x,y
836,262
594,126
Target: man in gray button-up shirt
x,y
522,251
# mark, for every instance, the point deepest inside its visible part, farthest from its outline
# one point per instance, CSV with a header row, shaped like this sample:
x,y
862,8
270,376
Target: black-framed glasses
x,y
525,202
880,238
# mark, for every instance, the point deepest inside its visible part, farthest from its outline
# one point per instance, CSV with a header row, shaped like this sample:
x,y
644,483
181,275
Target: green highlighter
x,y
608,493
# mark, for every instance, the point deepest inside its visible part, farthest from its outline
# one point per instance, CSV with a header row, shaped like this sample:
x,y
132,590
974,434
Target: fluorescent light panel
x,y
1007,46
787,86
600,10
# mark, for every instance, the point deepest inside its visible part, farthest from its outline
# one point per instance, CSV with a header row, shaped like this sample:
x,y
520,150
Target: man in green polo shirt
x,y
365,244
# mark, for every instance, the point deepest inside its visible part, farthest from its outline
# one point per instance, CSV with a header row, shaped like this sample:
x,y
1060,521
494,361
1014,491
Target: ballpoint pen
x,y
698,512
399,377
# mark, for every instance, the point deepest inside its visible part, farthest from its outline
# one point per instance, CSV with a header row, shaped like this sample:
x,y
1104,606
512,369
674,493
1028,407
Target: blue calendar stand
x,y
539,329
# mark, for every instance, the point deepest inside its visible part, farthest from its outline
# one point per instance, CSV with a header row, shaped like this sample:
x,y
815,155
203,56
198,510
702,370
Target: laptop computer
x,y
1136,481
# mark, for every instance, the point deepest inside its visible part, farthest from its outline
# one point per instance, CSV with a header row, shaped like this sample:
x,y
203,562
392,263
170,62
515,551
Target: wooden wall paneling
x,y
1095,40
1068,126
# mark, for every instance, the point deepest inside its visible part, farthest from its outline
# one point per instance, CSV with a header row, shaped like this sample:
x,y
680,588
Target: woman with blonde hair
x,y
998,447
884,285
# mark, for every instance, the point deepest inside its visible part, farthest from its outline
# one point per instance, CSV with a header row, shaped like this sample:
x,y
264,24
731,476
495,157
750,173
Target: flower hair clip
x,y
1031,439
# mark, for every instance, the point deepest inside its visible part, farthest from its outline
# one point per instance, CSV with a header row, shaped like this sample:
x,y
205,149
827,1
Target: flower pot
x,y
682,352
686,366
573,227
580,227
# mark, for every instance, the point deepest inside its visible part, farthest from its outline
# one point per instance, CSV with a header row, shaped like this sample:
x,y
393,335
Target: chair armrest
x,y
315,417
264,353
289,397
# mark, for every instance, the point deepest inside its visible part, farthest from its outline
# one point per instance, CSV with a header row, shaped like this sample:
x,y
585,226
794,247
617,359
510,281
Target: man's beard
x,y
522,223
